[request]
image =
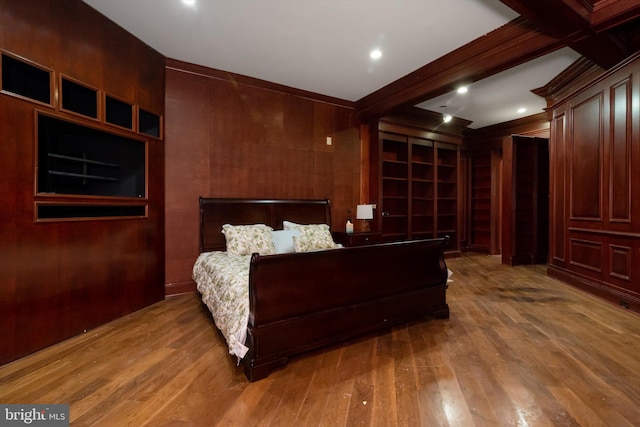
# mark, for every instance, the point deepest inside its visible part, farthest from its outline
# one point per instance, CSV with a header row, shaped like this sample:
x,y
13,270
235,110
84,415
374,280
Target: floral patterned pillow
x,y
248,239
312,236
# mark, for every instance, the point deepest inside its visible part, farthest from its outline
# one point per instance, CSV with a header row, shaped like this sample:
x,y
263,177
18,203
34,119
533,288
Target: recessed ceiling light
x,y
521,110
375,54
446,118
189,2
463,89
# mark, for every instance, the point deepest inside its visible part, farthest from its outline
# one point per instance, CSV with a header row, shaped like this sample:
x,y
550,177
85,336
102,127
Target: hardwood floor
x,y
520,349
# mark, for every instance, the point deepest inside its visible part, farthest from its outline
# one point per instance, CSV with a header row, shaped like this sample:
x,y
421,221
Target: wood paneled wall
x,y
58,279
595,176
231,136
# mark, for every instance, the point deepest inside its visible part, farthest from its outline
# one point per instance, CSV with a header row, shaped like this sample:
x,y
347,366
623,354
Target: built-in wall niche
x,y
118,112
79,160
78,98
148,123
25,79
58,211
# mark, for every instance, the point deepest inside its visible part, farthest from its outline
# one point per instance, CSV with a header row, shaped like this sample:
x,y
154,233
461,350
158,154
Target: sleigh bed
x,y
298,301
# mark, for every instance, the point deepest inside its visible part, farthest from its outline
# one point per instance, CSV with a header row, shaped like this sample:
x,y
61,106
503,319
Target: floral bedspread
x,y
223,281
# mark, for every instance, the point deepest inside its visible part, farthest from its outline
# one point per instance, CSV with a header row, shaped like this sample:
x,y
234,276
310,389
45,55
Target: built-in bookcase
x,y
422,188
90,145
480,203
419,189
395,187
447,191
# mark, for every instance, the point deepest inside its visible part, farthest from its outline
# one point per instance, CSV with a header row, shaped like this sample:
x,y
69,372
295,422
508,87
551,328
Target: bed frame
x,y
302,301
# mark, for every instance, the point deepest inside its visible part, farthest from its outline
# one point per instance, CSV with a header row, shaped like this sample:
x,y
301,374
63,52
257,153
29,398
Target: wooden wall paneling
x,y
14,127
508,238
187,171
598,127
249,139
121,71
65,277
586,254
620,262
620,158
586,159
496,202
88,51
558,200
325,161
150,68
365,168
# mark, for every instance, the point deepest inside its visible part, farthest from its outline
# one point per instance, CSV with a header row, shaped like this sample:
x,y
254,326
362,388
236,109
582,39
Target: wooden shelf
x,y
78,160
25,79
419,178
78,98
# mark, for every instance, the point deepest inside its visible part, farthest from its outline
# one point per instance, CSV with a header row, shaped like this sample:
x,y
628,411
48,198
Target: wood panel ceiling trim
x,y
512,44
590,27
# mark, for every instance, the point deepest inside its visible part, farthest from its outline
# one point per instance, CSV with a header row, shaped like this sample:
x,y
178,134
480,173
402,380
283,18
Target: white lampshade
x,y
364,212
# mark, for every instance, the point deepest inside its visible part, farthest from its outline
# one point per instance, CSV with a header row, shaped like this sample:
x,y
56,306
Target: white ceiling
x,y
323,46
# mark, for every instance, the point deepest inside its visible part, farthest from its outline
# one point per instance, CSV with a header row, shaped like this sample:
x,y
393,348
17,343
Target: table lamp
x,y
365,213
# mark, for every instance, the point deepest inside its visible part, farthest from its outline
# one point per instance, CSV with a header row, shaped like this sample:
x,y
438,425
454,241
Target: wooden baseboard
x,y
595,288
173,289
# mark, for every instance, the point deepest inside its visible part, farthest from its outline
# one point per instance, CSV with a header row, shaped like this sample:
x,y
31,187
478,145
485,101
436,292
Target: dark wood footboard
x,y
307,300
302,301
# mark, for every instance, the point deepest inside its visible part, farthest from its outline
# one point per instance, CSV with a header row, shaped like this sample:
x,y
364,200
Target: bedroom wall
x,y
594,204
60,278
233,136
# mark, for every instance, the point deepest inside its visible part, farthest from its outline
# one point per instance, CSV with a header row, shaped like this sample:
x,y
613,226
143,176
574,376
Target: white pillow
x,y
288,225
312,236
248,239
283,240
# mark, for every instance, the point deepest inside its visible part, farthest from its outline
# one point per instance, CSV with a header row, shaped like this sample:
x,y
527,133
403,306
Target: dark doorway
x,y
526,201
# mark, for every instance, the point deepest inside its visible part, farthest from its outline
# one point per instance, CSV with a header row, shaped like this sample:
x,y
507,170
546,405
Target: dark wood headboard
x,y
214,213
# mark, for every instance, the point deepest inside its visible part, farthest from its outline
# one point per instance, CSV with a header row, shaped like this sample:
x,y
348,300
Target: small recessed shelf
x,y
47,211
148,123
80,99
118,112
25,79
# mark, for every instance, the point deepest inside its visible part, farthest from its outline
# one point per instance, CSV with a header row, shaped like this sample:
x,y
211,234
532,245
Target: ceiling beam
x,y
512,44
587,26
603,31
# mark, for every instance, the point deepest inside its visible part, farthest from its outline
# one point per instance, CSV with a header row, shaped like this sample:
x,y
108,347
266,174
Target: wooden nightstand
x,y
357,239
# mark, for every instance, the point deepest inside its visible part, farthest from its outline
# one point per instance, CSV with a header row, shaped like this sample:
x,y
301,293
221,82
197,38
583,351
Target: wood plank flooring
x,y
520,349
